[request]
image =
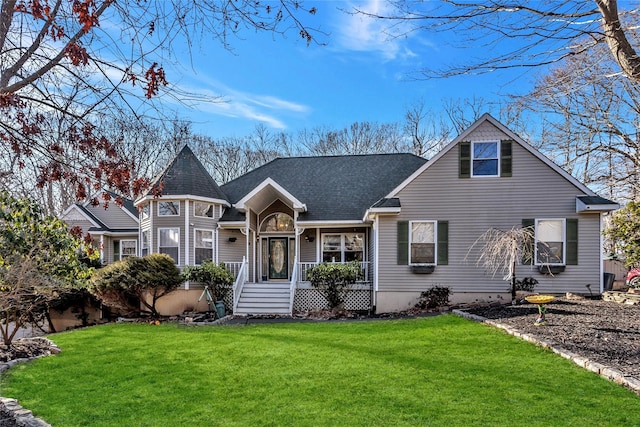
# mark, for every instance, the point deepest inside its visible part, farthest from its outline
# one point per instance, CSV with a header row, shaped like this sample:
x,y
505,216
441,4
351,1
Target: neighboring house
x,y
409,222
114,230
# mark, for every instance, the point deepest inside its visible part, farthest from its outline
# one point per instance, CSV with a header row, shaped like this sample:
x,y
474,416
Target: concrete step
x,y
241,311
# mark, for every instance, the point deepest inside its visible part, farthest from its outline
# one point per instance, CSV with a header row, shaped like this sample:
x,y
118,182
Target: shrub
x,y
126,284
216,276
438,296
332,278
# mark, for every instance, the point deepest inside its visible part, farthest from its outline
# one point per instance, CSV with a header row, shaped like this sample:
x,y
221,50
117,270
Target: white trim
x,y
178,245
81,212
564,241
373,212
376,250
226,225
187,236
472,158
182,197
511,135
583,207
435,242
297,204
328,224
213,242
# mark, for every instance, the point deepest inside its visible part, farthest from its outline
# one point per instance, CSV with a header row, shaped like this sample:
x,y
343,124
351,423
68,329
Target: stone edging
x,y
604,371
24,417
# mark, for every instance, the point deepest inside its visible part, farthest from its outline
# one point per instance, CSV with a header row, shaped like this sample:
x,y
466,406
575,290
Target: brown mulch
x,y
603,331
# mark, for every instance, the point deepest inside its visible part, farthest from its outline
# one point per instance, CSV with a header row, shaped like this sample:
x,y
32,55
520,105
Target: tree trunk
x,y
624,54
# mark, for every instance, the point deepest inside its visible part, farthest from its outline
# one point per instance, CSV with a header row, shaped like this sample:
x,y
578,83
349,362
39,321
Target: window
x,y
343,247
145,243
145,211
550,242
203,209
490,159
422,243
485,159
203,244
168,208
169,242
123,249
278,222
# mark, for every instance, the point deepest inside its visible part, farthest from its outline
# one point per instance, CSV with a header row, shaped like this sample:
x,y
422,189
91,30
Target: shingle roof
x,y
185,175
596,200
334,188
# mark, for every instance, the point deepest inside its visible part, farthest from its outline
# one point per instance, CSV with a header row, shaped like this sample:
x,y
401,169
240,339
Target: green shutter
x,y
465,160
443,242
506,168
572,241
527,258
403,242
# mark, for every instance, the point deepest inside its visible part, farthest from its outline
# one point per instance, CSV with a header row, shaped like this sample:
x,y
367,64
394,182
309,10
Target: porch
x,y
296,294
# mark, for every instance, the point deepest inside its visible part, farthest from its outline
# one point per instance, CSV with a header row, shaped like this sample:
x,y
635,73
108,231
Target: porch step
x,y
264,298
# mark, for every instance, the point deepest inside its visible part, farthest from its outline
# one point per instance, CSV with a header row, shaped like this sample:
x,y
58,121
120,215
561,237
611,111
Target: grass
x,y
435,371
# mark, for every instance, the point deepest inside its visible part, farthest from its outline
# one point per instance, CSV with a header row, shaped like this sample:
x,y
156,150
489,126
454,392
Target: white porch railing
x,y
292,285
234,266
306,266
239,283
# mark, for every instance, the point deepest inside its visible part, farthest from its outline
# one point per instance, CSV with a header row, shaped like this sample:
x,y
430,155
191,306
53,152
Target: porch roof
x,y
333,188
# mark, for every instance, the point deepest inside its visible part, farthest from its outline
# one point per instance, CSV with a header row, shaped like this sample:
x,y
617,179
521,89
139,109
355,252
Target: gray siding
x,y
472,206
114,217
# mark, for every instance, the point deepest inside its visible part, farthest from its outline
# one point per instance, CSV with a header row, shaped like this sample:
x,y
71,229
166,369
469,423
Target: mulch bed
x,y
603,331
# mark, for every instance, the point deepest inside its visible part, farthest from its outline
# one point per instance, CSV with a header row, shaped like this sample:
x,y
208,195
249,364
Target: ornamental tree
x,y
331,279
66,62
215,276
39,261
134,285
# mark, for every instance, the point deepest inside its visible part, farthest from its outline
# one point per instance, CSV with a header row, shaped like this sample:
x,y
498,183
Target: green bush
x,y
332,278
216,276
127,284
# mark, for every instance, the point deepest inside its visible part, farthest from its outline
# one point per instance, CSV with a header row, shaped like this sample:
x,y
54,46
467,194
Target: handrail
x,y
239,284
304,267
292,285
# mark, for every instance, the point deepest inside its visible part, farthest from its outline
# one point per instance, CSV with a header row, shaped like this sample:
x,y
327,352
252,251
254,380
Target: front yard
x,y
442,370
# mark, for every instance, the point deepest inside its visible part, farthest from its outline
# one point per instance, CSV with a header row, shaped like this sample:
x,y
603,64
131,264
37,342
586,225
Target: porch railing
x,y
234,266
292,285
239,283
304,268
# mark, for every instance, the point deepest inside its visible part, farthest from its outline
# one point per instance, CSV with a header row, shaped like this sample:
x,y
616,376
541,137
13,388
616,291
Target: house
x,y
114,230
410,223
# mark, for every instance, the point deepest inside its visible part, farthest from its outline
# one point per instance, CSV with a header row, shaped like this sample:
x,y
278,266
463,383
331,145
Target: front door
x,y
278,258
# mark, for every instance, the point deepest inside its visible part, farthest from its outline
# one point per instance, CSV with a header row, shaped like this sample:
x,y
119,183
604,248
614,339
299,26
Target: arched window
x,y
277,222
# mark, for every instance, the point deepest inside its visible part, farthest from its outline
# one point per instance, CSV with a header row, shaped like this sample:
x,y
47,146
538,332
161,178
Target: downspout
x,y
600,219
187,233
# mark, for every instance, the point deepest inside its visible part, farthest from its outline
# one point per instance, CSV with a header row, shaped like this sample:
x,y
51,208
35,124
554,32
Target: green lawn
x,y
442,371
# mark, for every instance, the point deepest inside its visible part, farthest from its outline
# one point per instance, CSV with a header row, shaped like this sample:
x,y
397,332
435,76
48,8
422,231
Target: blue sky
x,y
359,75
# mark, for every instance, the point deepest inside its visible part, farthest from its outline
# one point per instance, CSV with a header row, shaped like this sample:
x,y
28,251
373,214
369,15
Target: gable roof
x,y
486,117
333,188
185,175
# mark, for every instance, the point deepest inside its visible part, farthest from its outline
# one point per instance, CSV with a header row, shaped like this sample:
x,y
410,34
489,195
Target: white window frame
x,y
342,245
497,158
169,201
160,230
435,242
211,209
144,245
563,221
195,241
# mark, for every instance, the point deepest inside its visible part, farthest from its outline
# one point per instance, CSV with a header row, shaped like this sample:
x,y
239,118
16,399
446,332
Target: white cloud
x,y
360,33
213,97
